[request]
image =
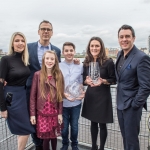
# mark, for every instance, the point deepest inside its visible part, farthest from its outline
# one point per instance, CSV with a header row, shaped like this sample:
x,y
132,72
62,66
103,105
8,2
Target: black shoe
x,y
75,148
39,148
65,147
94,147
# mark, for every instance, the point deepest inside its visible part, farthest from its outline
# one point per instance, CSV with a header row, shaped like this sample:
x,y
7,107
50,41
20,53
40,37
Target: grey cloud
x,y
146,1
75,21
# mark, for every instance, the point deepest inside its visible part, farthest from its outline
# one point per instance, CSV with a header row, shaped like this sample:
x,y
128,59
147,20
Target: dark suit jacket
x,y
133,83
34,63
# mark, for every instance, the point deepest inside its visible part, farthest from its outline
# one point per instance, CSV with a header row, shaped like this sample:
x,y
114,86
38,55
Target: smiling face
x,y
49,60
18,43
68,53
45,31
126,40
95,48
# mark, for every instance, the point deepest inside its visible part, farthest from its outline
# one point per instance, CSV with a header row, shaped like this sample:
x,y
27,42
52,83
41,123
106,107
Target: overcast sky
x,y
75,20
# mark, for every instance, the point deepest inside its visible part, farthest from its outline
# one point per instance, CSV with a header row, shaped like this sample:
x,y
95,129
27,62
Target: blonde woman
x,y
14,70
46,96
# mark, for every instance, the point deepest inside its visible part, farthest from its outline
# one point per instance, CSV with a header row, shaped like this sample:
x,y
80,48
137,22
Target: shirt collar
x,y
127,55
68,63
40,46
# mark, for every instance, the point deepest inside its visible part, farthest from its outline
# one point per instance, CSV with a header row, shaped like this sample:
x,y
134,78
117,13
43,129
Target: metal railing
x,y
8,141
114,139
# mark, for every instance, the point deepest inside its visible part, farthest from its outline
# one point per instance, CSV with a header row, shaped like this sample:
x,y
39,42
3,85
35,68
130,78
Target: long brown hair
x,y
56,74
101,56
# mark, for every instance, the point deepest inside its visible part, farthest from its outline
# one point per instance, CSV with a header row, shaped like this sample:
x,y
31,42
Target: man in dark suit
x,y
133,89
36,51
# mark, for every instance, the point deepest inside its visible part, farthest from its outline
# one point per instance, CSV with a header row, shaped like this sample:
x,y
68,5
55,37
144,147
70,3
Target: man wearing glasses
x,y
36,51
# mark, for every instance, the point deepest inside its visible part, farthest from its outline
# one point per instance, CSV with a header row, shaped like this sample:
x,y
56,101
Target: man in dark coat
x,y
36,51
133,86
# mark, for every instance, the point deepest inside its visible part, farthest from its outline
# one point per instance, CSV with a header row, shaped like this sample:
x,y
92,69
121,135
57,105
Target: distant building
x,y
112,52
2,53
83,52
144,49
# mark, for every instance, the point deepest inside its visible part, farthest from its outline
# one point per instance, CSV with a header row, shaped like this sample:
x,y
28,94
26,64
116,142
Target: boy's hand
x,y
68,97
81,96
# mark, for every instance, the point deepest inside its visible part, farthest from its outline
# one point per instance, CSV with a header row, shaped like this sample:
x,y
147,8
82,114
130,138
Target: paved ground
x,y
59,145
81,147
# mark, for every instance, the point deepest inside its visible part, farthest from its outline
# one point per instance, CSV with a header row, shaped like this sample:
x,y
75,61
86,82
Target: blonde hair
x,y
56,74
25,55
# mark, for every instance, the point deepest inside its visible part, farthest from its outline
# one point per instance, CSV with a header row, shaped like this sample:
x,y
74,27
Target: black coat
x,y
97,105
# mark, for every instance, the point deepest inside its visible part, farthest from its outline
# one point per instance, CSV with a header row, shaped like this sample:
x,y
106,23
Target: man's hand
x,y
33,120
4,114
60,119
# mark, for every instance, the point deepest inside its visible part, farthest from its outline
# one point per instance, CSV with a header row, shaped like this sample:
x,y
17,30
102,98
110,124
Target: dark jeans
x,y
70,116
129,121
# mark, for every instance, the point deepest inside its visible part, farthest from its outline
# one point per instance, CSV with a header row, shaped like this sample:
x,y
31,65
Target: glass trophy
x,y
74,90
94,72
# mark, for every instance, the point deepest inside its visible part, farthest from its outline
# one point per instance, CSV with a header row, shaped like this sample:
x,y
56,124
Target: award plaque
x,y
94,72
74,90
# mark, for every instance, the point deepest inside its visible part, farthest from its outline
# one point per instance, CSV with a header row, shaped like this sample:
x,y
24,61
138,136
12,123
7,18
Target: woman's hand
x,y
88,81
60,119
99,82
33,120
4,114
104,81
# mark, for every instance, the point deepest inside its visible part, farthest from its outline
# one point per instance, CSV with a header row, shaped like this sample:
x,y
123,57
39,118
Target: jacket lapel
x,y
35,53
52,82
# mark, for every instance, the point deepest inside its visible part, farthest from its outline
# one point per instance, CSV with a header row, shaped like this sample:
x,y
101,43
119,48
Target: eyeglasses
x,y
45,29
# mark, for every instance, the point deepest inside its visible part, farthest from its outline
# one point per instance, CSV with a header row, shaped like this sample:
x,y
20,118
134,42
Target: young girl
x,y
46,96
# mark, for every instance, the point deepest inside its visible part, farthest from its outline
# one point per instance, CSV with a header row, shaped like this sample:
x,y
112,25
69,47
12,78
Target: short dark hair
x,y
45,21
126,27
68,44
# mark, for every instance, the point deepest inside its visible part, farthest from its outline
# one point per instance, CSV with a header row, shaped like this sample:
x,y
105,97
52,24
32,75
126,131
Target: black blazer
x,y
34,63
134,80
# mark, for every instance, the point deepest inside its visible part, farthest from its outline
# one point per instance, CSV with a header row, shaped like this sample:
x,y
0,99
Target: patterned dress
x,y
47,120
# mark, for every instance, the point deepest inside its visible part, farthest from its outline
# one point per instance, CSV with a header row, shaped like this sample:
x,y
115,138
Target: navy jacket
x,y
133,83
34,63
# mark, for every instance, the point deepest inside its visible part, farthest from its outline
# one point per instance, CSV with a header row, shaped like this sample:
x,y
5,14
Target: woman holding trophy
x,y
98,75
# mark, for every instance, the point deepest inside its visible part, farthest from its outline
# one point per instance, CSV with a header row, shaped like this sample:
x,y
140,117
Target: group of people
x,y
34,100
